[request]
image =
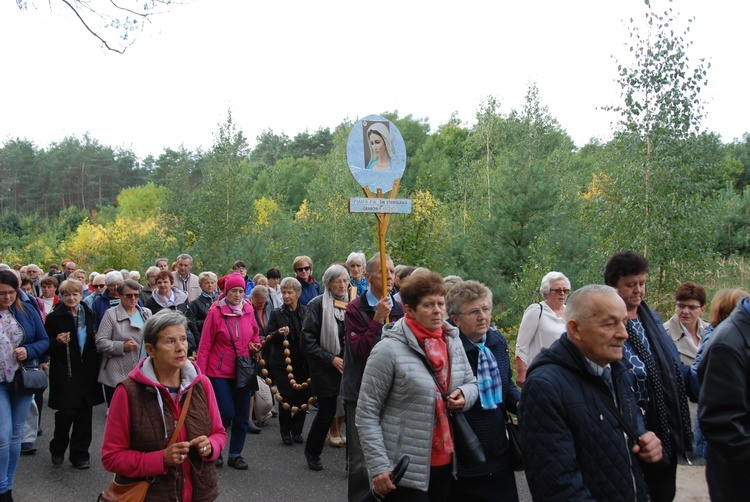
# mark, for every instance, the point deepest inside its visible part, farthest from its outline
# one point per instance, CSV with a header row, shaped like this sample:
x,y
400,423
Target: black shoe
x,y
287,439
57,461
28,448
297,438
238,463
252,428
313,462
39,432
219,461
83,464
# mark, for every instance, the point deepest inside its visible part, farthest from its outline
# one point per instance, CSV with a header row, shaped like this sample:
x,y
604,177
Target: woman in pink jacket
x,y
144,412
231,317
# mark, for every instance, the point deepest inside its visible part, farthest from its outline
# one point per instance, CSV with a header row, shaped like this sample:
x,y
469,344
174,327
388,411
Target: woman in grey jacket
x,y
400,410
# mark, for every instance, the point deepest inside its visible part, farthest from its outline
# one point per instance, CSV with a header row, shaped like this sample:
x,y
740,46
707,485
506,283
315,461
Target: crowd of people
x,y
384,357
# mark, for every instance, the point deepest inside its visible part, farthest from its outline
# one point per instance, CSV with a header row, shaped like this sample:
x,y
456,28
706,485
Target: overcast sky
x,y
292,65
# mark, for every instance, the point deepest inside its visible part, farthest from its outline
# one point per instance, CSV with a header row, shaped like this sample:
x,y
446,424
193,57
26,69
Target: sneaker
x,y
238,463
28,448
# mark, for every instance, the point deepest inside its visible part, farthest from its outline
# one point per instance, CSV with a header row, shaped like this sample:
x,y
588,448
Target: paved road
x,y
277,472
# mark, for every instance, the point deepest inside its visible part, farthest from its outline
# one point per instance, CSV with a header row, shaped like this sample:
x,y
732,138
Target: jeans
x,y
13,411
234,407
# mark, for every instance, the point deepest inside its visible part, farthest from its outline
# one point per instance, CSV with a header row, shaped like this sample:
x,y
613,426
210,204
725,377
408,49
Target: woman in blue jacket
x,y
22,341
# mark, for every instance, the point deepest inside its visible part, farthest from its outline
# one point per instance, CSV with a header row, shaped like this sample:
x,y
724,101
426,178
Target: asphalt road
x,y
277,472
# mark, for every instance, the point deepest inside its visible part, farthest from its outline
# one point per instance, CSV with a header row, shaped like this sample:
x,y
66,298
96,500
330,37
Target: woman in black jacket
x,y
283,332
198,308
74,369
469,305
323,344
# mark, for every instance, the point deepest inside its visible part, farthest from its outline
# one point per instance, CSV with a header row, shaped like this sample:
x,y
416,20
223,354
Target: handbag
x,y
29,381
136,492
245,367
468,449
514,446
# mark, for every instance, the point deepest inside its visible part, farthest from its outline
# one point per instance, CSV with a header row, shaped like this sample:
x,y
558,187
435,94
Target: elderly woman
x,y
150,287
198,308
470,309
685,327
302,266
22,342
146,407
49,294
323,344
657,372
73,371
107,299
229,331
283,332
119,337
356,262
400,409
167,296
542,322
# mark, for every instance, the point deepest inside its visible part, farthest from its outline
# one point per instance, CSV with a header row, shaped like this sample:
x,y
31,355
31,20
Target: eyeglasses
x,y
131,295
475,313
560,291
691,308
7,293
302,269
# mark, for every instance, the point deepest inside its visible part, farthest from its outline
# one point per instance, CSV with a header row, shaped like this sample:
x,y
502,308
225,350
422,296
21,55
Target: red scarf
x,y
434,345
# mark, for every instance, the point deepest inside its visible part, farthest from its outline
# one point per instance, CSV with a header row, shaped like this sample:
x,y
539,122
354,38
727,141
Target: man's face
x,y
602,333
183,267
70,267
258,301
375,278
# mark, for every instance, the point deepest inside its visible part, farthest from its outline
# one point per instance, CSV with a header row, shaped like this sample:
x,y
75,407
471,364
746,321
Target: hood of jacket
x,y
180,296
225,310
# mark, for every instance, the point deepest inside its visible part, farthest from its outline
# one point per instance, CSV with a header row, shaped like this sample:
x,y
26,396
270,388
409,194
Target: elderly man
x,y
184,280
581,431
363,321
68,268
724,372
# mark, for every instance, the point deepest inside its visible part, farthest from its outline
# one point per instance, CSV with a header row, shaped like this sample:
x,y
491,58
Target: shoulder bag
x,y
136,492
245,367
469,451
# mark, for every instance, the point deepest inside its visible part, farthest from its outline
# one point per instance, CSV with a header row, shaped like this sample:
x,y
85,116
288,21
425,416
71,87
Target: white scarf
x,y
329,328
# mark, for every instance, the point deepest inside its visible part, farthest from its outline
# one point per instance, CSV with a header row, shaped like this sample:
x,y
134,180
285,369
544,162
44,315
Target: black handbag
x,y
468,449
245,367
514,446
29,380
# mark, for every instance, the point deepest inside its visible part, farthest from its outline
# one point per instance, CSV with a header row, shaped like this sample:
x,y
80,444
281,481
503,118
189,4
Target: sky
x,y
293,66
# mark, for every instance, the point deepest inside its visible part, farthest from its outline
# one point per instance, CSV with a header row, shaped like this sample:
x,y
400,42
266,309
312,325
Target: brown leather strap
x,y
181,421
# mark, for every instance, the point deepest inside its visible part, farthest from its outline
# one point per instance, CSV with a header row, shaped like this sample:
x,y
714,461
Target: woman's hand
x,y
20,353
63,338
383,484
176,453
456,400
203,445
338,363
284,331
129,346
254,347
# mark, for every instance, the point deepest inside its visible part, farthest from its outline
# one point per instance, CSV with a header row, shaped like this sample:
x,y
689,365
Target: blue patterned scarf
x,y
488,377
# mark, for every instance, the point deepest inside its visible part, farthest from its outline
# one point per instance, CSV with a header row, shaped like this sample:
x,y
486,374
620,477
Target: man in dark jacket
x,y
581,431
363,322
724,413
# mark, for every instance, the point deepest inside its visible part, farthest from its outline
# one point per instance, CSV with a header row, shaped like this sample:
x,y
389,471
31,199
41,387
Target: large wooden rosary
x,y
290,375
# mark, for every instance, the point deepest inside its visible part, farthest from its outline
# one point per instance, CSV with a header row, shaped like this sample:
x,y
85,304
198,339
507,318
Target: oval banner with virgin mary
x,y
376,153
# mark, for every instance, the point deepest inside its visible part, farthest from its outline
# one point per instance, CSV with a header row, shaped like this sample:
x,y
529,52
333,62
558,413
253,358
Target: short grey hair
x,y
259,291
579,303
291,282
356,257
125,273
464,292
34,266
375,259
135,275
184,256
152,270
161,320
92,275
97,276
112,277
553,276
332,273
128,283
206,275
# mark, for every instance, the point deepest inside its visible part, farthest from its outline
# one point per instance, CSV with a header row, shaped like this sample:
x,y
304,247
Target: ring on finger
x,y
204,449
182,456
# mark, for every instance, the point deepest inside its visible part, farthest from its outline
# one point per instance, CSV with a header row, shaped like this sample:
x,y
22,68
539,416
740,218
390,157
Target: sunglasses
x,y
302,269
97,286
131,295
560,291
